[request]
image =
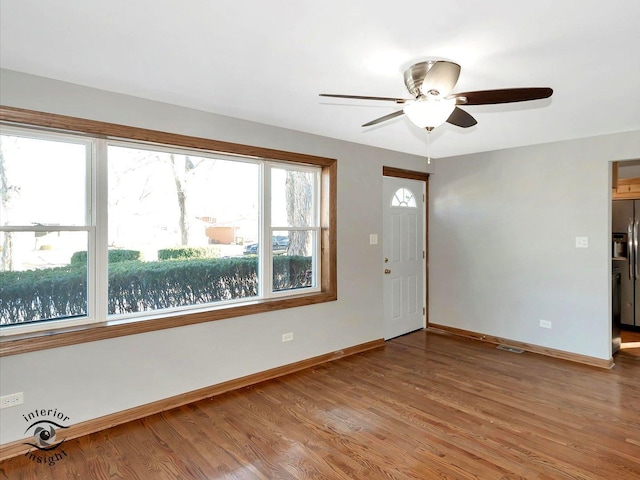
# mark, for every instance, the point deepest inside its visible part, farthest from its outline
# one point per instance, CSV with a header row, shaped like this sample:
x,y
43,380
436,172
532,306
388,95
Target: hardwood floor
x,y
425,406
630,345
630,336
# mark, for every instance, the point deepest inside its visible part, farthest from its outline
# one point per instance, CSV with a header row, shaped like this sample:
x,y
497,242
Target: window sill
x,y
102,331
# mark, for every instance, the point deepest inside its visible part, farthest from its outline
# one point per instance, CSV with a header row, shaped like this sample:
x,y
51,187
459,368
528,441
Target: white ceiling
x,y
267,61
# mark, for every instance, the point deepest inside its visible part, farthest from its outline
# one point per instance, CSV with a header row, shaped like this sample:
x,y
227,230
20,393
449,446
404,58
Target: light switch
x,y
373,239
582,242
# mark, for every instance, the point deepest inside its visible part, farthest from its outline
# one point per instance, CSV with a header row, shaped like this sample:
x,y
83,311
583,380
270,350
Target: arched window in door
x,y
403,198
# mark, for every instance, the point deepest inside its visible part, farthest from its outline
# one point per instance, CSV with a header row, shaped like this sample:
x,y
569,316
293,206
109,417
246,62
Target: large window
x,y
95,230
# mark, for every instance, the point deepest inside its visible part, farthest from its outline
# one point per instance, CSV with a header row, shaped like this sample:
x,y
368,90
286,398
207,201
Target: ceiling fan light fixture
x,y
431,83
430,112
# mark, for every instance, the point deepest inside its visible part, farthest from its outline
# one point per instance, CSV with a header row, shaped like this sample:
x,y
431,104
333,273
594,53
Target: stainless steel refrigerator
x,y
625,244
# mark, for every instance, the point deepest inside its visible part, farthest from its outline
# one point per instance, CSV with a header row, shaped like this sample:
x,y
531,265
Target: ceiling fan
x,y
431,83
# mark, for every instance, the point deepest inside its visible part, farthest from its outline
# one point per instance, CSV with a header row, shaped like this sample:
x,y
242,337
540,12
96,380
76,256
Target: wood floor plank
x,y
426,406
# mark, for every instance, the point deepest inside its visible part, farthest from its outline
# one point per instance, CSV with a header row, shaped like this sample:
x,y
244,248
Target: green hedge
x,y
115,256
136,286
43,294
186,253
155,285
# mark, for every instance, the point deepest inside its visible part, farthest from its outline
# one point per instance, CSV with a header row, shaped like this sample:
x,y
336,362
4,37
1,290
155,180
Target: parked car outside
x,y
280,245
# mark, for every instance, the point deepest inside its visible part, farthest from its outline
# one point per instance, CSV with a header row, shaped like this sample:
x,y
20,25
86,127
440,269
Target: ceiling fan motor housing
x,y
414,76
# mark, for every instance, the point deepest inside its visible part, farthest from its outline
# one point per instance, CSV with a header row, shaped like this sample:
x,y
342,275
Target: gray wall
x,y
94,379
502,242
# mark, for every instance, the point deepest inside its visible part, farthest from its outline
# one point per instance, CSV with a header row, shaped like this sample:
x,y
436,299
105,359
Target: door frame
x,y
423,177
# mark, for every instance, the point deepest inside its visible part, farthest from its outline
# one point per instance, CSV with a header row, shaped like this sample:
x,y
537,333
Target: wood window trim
x,y
30,342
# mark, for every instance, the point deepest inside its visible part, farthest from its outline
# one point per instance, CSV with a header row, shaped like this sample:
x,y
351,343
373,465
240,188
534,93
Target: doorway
x,y
625,257
404,246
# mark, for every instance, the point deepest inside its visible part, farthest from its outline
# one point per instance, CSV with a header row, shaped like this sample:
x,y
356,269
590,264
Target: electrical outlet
x,y
287,337
582,242
12,400
545,323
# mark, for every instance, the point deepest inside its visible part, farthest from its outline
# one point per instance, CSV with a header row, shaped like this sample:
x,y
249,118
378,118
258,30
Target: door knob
x,y
387,271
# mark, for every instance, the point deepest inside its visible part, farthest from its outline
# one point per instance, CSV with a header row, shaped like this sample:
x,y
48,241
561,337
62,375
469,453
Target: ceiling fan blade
x,y
505,95
362,97
384,119
441,78
460,118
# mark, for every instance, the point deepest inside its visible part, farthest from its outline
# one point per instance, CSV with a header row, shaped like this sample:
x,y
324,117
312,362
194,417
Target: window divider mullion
x,y
101,258
265,279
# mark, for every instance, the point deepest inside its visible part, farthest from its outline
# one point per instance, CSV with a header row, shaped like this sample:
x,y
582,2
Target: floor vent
x,y
510,349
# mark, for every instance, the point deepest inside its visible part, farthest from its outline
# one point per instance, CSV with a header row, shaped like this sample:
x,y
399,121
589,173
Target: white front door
x,y
403,266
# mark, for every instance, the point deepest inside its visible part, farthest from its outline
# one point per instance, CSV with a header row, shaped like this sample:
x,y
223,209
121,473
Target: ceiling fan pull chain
x,y
428,145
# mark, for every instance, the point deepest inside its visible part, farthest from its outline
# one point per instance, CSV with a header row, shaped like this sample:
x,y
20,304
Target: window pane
x,y
43,182
42,277
293,265
292,198
187,220
403,198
